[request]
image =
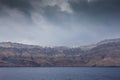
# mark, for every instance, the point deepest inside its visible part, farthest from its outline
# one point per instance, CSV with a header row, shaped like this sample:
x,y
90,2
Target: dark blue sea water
x,y
60,73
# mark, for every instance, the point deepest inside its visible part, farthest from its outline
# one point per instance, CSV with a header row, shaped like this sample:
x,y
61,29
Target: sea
x,y
60,73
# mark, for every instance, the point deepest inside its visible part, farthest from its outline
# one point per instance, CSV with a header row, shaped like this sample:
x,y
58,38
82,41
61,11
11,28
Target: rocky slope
x,y
104,53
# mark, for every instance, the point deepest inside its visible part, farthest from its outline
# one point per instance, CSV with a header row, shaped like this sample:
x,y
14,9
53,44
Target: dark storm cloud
x,y
59,22
22,5
96,5
105,12
54,10
16,3
96,8
49,6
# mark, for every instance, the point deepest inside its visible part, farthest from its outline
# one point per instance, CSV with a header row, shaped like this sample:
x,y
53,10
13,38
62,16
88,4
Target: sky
x,y
59,22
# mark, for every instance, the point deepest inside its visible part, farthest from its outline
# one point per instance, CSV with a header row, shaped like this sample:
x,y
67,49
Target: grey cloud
x,y
22,5
27,5
59,22
55,10
95,5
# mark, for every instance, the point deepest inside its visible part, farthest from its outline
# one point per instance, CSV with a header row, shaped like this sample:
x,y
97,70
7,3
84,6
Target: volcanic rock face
x,y
104,53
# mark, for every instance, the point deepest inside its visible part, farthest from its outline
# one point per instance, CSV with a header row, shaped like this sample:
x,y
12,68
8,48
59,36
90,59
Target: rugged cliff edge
x,y
104,53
